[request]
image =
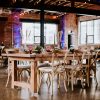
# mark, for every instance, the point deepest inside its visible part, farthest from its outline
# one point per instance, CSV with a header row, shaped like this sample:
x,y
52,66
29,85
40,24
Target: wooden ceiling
x,y
53,7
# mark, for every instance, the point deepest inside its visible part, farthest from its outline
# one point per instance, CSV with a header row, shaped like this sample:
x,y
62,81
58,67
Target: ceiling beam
x,y
97,2
72,3
54,8
73,10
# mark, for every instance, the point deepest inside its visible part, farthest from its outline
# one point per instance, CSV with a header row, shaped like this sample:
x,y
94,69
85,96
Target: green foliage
x,y
56,50
38,49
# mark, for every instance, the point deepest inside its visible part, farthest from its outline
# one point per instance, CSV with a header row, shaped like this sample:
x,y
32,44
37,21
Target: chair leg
x,y
96,80
19,74
95,75
9,73
68,80
59,78
52,83
38,81
65,78
40,77
72,81
48,81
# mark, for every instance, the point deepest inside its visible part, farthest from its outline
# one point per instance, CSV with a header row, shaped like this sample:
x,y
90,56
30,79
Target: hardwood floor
x,y
91,93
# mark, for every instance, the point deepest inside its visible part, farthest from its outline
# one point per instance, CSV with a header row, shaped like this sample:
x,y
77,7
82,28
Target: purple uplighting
x,y
16,30
62,42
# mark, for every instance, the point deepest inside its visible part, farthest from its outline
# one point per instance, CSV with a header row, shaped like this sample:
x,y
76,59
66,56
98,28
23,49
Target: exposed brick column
x,y
2,31
8,33
12,34
70,24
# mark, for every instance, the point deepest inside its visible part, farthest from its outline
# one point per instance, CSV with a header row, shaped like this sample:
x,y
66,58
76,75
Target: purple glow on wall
x,y
16,30
62,42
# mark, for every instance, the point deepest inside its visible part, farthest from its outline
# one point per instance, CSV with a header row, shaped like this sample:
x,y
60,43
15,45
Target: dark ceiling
x,y
56,7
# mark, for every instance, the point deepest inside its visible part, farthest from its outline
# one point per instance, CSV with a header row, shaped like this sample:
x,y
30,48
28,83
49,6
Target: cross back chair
x,y
56,68
75,69
89,65
94,59
85,63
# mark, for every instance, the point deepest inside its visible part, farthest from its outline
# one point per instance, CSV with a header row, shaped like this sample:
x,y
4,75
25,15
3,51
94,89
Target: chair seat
x,y
44,65
60,70
73,67
50,69
46,69
23,66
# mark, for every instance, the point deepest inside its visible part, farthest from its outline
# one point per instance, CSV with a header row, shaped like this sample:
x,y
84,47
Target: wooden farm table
x,y
33,58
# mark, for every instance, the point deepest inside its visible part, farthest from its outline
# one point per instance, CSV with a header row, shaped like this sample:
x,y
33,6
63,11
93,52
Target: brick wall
x,y
8,34
2,29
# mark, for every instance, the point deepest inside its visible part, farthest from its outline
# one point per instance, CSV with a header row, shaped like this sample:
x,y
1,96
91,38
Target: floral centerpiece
x,y
38,49
56,50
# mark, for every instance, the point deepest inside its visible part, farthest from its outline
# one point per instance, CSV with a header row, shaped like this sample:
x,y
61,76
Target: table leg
x,y
88,72
14,72
33,78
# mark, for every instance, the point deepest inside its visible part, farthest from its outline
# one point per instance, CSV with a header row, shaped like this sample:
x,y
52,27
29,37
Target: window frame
x,y
93,35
